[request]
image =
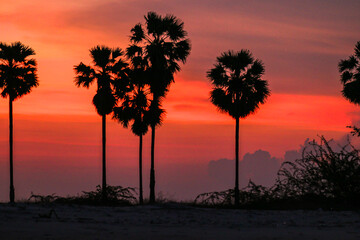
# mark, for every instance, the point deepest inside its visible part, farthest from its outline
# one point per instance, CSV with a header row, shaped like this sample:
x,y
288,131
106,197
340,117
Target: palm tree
x,y
350,78
17,78
135,109
238,91
109,71
162,42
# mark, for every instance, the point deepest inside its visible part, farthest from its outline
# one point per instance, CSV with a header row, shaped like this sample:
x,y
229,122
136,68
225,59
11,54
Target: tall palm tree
x,y
109,71
238,91
17,78
162,42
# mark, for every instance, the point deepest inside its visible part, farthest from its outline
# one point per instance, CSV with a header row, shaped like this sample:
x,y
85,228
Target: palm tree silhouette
x,y
17,78
238,91
135,109
350,76
110,72
162,43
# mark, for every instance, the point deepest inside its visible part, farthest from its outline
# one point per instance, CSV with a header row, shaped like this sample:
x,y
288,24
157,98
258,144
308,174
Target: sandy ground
x,y
172,221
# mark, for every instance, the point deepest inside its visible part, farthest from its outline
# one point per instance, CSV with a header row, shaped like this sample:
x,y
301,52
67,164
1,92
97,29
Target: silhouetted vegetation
x,y
159,44
322,178
350,78
326,176
17,78
110,72
116,195
238,91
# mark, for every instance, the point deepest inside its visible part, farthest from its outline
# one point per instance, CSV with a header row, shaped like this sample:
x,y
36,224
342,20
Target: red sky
x,y
56,127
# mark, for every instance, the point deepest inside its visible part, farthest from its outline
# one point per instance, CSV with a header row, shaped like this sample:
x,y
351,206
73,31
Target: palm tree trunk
x,y
152,167
12,190
141,200
237,162
104,192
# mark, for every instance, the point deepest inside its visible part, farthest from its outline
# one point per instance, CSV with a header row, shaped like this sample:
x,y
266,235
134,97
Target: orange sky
x,y
300,43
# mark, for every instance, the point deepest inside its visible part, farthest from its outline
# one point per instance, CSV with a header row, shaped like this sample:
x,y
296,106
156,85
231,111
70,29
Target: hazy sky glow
x,y
56,126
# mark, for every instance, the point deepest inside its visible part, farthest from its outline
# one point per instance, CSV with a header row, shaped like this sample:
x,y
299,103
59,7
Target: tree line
x,y
132,84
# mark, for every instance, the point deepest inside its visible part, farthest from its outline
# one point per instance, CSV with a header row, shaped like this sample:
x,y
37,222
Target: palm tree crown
x,y
350,76
161,44
238,87
110,72
136,106
134,110
17,70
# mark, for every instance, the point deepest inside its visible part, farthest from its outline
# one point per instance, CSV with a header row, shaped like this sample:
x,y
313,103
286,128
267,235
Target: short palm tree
x,y
135,109
238,91
109,71
17,78
162,42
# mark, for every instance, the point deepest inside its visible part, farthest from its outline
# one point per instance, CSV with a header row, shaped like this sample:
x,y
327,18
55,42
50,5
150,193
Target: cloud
x,y
258,167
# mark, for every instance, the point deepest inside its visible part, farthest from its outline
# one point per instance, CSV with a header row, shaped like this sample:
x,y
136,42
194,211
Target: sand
x,y
172,221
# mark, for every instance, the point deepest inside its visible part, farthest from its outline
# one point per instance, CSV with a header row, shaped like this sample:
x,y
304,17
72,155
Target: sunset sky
x,y
57,132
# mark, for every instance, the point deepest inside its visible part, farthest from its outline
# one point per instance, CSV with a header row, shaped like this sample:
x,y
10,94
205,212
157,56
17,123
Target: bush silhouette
x,y
324,177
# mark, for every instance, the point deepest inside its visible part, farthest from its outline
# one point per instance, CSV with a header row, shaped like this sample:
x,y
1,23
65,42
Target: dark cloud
x,y
258,167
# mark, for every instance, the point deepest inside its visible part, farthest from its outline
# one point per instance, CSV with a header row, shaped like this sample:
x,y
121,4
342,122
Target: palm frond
x,y
221,100
155,24
357,50
116,52
236,61
101,55
182,50
346,76
137,33
122,86
133,51
175,27
257,69
119,67
155,115
348,64
85,75
218,76
123,114
21,51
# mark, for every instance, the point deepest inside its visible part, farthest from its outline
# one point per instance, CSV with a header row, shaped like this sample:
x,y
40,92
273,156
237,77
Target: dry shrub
x,y
326,175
